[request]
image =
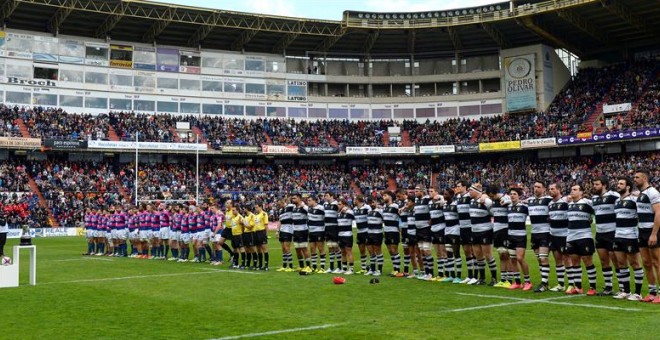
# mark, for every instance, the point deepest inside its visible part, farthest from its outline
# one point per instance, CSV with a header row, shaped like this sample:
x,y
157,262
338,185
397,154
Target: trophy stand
x,y
9,274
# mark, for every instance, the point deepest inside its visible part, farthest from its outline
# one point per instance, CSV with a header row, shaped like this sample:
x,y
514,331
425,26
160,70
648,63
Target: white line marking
x,y
254,335
149,276
551,301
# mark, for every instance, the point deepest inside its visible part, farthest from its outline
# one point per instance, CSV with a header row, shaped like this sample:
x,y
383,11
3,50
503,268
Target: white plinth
x,y
9,274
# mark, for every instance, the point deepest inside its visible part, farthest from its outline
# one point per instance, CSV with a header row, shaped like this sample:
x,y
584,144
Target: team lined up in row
x,y
476,220
153,232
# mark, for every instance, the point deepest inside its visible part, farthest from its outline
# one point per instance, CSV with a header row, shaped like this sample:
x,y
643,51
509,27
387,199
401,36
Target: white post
x,y
136,167
197,170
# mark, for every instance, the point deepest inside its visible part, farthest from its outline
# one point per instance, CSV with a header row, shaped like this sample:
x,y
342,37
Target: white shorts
x,y
122,234
165,233
90,233
175,235
113,234
134,234
155,234
186,237
145,235
99,233
217,237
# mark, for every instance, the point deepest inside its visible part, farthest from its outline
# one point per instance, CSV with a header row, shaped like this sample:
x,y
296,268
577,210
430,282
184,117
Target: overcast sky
x,y
329,9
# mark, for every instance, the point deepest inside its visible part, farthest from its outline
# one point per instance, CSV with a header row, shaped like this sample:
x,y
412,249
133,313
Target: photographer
x,y
4,229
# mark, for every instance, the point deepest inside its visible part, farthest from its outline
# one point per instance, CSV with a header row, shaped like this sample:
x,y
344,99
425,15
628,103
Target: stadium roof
x,y
588,28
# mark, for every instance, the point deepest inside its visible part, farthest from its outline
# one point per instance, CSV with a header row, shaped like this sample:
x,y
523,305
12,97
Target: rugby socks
x,y
254,259
406,264
227,248
322,256
459,266
527,279
338,257
441,262
208,250
624,279
577,276
372,263
301,263
396,262
561,275
545,273
652,290
449,267
428,265
381,260
607,277
591,275
492,266
167,250
639,280
516,276
243,255
470,265
332,261
260,256
175,253
363,263
249,259
266,260
314,261
90,247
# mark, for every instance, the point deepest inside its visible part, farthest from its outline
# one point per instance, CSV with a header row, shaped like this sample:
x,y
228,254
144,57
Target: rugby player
x,y
603,201
626,242
648,213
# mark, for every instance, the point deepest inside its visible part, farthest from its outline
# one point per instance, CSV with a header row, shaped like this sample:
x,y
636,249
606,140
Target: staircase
x,y
391,184
268,140
175,135
590,123
386,138
356,188
42,201
112,134
22,128
405,138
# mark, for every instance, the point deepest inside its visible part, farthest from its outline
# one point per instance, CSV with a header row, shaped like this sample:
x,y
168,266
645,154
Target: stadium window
x,y
144,105
168,107
427,112
274,66
144,81
19,71
255,88
254,65
234,110
96,103
121,54
317,112
233,87
359,114
404,113
96,78
18,97
214,109
45,99
273,111
190,60
298,112
338,113
168,83
211,62
211,86
255,111
71,76
121,104
192,108
71,101
121,80
275,90
45,73
189,84
96,53
381,113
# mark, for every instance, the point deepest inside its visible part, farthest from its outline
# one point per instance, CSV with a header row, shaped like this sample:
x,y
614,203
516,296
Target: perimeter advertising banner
x,y
280,149
500,146
520,83
610,136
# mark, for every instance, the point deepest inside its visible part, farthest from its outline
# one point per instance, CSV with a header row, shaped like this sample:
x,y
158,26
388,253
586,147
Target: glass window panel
x,y
168,83
338,113
45,99
190,108
403,113
168,107
254,65
121,80
359,113
298,112
234,110
20,71
189,84
427,112
18,97
317,112
121,104
96,78
144,81
212,86
234,87
71,75
215,109
212,62
96,103
273,111
381,113
255,88
257,111
144,105
71,101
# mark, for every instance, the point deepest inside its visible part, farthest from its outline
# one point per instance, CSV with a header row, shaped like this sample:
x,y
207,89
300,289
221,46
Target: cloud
x,y
272,7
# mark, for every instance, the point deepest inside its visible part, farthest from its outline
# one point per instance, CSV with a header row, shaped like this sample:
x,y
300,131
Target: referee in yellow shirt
x,y
248,237
261,236
237,225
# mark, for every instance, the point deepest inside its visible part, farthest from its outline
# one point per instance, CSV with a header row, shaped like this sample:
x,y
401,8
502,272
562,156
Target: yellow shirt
x,y
236,225
250,221
261,221
228,217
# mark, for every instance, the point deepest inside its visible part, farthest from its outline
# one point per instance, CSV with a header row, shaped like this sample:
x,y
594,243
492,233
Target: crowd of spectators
x,y
8,126
148,128
221,131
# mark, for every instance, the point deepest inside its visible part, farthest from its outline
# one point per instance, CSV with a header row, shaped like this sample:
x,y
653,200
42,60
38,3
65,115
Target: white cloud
x,y
272,7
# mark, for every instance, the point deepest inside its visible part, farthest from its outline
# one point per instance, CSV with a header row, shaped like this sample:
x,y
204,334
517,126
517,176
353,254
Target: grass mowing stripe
x,y
149,276
254,335
548,300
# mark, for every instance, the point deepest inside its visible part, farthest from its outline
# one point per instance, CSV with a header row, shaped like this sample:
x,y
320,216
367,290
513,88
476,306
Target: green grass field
x,y
80,297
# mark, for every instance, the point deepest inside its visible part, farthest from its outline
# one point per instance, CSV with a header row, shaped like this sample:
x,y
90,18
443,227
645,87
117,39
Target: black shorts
x,y
424,235
237,241
374,239
286,237
516,242
540,240
438,236
500,238
482,237
332,233
412,240
626,245
226,233
581,247
300,236
453,240
392,238
248,239
558,243
644,235
317,237
362,238
260,237
404,236
466,235
345,241
605,241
